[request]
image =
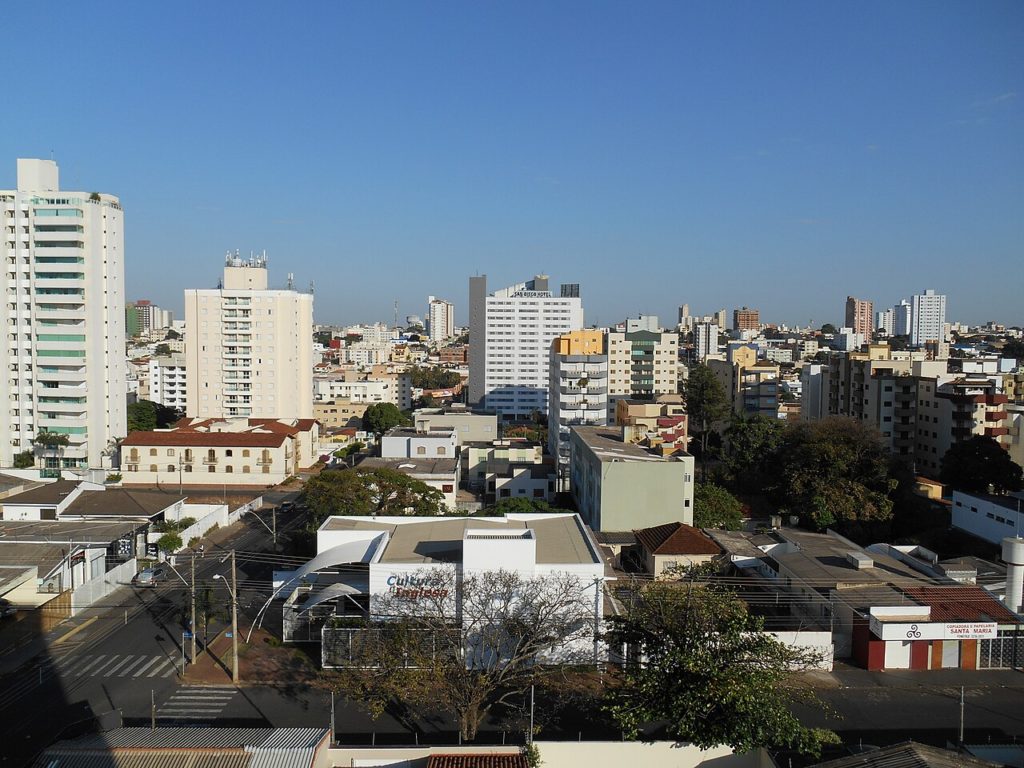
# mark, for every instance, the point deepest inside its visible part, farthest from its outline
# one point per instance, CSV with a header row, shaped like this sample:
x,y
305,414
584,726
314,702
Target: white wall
x,y
985,519
95,589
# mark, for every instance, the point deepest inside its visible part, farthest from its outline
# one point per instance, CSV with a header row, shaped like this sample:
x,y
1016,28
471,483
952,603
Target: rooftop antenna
x,y
291,280
396,313
311,290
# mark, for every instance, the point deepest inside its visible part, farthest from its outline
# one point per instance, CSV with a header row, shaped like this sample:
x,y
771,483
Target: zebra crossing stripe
x,y
105,665
81,670
110,672
147,665
130,667
160,668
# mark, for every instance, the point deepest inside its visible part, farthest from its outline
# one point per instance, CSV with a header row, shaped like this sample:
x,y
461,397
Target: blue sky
x,y
777,155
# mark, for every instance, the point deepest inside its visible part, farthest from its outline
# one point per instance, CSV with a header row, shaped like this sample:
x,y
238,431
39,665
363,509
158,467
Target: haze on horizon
x,y
776,156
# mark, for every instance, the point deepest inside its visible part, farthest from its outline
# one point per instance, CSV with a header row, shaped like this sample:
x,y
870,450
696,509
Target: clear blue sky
x,y
778,155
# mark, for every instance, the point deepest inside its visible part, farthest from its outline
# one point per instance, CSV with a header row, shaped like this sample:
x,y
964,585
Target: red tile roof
x,y
188,438
676,539
478,761
965,603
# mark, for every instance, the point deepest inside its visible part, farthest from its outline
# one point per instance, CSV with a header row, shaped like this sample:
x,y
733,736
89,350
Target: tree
x,y
169,542
380,417
699,661
751,441
715,507
162,350
142,416
508,623
706,406
828,328
520,504
434,377
52,440
834,471
975,464
24,460
378,491
1013,348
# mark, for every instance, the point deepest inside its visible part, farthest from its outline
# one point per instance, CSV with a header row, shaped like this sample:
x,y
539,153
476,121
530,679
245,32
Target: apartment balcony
x,y
996,431
65,313
995,416
210,460
264,462
903,411
60,298
72,376
71,410
51,423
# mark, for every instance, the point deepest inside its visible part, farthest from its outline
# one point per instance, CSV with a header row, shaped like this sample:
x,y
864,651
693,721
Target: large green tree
x,y
706,407
715,507
751,441
975,464
377,491
380,417
434,377
700,662
835,472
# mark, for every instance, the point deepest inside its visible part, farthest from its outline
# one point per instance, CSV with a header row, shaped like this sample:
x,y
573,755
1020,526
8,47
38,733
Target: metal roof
x,y
198,738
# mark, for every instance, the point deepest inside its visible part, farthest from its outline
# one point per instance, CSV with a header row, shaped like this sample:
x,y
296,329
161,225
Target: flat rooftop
x,y
607,445
62,532
439,467
560,538
51,493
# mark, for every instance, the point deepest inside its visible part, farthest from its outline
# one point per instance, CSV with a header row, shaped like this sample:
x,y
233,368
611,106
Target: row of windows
x,y
246,469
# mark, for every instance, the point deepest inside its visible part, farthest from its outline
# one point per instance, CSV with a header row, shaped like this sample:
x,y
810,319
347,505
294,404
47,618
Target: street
x,y
125,654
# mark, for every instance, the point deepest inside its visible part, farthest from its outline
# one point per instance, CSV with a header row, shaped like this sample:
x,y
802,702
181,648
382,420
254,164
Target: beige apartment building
x,y
641,365
752,386
249,350
860,316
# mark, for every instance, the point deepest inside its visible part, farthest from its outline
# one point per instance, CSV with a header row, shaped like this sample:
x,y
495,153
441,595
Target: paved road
x,y
128,654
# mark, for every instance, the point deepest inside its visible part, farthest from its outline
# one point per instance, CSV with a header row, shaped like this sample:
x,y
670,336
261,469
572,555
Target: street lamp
x,y
233,590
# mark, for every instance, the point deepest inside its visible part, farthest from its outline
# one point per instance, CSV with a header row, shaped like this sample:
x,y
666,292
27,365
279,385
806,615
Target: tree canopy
x,y
377,491
751,441
715,507
828,328
422,659
975,464
24,460
434,377
51,439
145,416
835,471
519,504
699,661
380,417
706,405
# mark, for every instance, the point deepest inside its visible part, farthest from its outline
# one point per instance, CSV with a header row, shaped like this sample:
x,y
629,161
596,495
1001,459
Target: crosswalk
x,y
117,665
195,704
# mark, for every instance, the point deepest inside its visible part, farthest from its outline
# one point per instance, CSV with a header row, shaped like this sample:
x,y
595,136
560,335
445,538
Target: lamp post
x,y
233,590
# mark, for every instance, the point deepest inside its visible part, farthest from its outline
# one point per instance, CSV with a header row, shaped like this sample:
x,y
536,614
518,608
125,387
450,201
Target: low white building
x,y
440,473
362,562
402,442
989,517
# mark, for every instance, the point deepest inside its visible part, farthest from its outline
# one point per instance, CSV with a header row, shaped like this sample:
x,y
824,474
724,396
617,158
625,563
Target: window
x,y
152,451
440,450
228,452
170,451
505,493
245,454
211,468
152,468
421,450
246,469
447,488
538,493
229,469
188,467
266,469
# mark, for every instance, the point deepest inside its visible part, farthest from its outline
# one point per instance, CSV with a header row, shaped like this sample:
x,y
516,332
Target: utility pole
x,y
273,519
961,742
193,625
234,620
152,710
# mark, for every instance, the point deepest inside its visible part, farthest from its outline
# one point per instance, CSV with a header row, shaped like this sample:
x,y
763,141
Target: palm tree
x,y
51,441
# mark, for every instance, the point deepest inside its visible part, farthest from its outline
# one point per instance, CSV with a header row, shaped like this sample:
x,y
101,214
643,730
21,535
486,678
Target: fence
x,y
101,586
816,642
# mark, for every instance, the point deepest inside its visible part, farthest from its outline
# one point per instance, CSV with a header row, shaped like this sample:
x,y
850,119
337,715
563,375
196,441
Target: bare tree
x,y
466,644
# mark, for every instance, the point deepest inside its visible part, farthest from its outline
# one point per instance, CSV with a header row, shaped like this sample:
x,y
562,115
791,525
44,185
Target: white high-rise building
x,y
249,349
440,319
928,318
902,318
886,321
167,377
706,340
510,335
63,356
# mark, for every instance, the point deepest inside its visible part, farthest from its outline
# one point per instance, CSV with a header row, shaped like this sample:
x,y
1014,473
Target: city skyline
x,y
780,158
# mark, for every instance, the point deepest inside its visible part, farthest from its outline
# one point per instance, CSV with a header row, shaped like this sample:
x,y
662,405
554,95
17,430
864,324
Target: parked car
x,y
149,577
6,609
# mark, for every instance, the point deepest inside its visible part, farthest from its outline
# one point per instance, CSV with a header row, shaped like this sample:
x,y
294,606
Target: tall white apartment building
x,y
641,365
440,319
886,321
705,336
902,318
167,377
928,318
63,324
249,349
577,392
510,335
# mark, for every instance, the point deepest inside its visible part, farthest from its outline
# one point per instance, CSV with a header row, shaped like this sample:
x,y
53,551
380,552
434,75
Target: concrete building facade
x,y
510,337
440,319
577,391
250,349
928,318
641,365
859,316
64,324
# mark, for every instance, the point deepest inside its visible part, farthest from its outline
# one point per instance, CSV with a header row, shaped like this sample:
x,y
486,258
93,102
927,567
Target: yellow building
x,y
579,343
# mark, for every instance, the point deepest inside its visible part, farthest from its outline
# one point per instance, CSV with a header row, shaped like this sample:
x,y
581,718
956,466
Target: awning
x,y
355,586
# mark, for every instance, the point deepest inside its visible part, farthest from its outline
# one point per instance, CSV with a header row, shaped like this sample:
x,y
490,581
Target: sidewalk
x,y
844,675
262,661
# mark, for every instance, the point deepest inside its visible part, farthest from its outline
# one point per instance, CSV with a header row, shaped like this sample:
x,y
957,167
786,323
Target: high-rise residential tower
x,y
440,319
64,323
641,365
248,349
746,319
927,318
705,336
859,316
577,393
510,335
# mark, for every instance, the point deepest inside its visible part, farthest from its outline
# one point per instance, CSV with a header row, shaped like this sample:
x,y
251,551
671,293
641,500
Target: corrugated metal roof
x,y
492,760
57,758
198,738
